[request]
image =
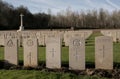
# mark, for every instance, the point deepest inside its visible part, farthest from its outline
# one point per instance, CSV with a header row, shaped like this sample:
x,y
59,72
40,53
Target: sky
x,y
55,6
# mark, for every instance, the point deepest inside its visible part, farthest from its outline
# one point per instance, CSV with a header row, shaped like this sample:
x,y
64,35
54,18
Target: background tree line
x,y
92,19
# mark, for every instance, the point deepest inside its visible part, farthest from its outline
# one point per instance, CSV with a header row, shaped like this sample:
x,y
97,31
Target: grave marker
x,y
77,53
30,52
103,52
11,51
53,52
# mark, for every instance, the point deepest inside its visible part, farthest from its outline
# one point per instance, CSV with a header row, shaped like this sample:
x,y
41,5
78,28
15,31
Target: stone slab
x,y
77,53
53,52
11,51
103,52
30,52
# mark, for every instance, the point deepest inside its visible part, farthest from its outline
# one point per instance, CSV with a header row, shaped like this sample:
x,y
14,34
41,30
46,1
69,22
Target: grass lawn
x,y
33,74
45,74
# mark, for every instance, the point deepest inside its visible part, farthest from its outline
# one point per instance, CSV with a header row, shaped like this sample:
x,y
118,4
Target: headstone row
x,y
115,34
103,52
70,34
42,35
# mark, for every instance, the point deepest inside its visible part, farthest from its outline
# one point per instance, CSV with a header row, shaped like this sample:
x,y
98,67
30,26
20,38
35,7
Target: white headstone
x,y
30,52
103,52
2,38
77,53
11,51
53,52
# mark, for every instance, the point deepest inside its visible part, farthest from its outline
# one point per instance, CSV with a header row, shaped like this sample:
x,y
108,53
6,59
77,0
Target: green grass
x,y
90,46
44,74
33,74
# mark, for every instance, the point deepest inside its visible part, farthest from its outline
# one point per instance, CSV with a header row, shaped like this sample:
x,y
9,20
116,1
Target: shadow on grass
x,y
90,65
1,64
65,64
7,65
42,64
21,62
116,65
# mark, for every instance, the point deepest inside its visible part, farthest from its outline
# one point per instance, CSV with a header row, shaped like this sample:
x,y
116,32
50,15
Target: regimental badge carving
x,y
30,42
76,42
10,43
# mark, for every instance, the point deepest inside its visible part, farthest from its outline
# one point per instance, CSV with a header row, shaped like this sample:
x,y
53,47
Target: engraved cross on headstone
x,y
76,55
102,53
76,43
52,51
29,56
